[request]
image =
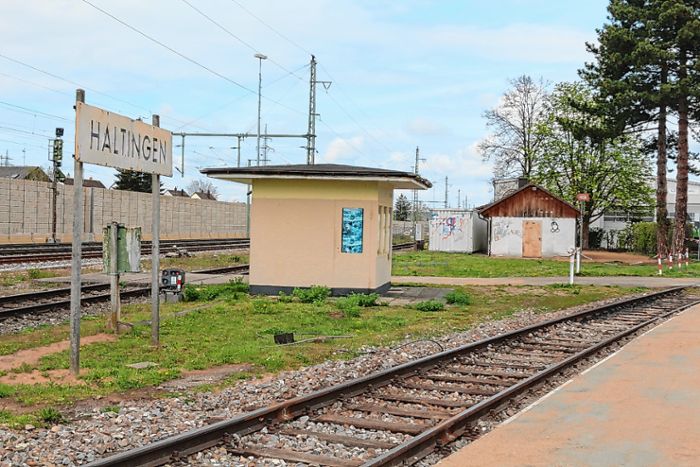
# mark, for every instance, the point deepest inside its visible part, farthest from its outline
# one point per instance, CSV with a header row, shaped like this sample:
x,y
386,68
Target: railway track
x,y
18,253
400,415
56,299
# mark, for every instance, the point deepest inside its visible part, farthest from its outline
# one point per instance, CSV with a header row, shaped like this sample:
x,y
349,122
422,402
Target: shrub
x,y
595,237
314,294
457,297
430,305
644,238
366,299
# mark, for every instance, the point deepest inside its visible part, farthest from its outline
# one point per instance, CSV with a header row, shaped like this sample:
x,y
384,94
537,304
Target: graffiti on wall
x,y
450,226
351,241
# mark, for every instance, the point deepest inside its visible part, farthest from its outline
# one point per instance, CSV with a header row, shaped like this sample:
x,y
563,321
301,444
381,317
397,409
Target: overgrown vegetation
x,y
350,305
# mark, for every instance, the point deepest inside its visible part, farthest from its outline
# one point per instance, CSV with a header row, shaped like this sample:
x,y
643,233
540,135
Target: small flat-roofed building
x,y
324,224
532,223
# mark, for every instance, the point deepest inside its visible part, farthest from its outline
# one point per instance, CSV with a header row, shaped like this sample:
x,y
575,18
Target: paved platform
x,y
639,407
623,281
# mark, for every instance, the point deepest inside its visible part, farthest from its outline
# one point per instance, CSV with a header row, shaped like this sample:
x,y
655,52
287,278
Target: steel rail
x,y
182,445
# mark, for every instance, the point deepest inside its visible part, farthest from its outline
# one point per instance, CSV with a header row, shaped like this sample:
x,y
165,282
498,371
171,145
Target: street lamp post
x,y
260,58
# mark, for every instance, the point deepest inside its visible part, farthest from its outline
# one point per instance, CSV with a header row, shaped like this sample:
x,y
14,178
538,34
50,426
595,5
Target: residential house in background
x,y
24,172
175,192
87,183
203,195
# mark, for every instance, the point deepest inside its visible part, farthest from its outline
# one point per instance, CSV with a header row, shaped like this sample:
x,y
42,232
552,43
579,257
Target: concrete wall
x,y
405,228
507,235
25,213
296,229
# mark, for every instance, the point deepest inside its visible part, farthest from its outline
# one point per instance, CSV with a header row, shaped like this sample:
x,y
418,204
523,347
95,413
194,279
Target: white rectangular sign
x,y
112,140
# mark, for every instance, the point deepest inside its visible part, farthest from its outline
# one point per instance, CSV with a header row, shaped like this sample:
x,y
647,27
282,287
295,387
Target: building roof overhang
x,y
331,172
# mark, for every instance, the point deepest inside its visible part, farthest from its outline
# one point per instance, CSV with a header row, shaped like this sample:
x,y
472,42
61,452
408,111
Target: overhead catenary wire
x,y
36,113
304,49
228,31
185,57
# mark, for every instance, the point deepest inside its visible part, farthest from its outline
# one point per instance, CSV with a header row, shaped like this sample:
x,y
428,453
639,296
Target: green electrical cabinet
x,y
128,248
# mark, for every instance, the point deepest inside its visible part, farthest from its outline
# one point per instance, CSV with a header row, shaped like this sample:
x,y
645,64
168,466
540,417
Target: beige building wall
x,y
296,233
25,214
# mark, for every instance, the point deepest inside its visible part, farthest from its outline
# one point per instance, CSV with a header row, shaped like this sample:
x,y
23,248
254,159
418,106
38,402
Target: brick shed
x,y
530,223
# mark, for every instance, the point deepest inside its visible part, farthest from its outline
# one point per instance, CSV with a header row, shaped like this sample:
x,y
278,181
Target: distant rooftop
x,y
23,172
397,178
87,183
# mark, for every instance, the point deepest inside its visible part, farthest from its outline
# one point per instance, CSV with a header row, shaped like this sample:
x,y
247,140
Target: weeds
x,y
314,294
207,293
430,305
457,297
51,416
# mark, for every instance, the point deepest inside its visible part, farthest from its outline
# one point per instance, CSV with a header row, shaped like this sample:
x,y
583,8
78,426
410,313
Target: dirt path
x,y
32,356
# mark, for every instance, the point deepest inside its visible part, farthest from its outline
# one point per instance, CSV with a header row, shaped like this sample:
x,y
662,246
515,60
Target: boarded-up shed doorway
x,y
532,239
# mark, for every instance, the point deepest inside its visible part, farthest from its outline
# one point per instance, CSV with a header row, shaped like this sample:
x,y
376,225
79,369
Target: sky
x,y
403,74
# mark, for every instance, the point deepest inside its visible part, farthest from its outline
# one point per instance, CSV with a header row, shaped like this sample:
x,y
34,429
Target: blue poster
x,y
352,230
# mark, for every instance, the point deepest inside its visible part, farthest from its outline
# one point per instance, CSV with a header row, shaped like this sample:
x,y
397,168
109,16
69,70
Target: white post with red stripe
x,y
661,267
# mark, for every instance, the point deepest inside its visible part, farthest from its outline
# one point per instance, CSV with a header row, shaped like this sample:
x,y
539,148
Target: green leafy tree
x,y
402,208
582,154
133,181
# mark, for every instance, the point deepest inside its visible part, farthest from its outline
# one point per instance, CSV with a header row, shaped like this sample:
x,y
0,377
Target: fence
x,y
25,213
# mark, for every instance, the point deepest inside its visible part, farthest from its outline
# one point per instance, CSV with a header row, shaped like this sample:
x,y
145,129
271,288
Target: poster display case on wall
x,y
351,241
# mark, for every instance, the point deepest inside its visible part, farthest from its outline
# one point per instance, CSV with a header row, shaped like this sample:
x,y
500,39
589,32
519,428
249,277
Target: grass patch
x,y
10,279
236,331
202,260
436,263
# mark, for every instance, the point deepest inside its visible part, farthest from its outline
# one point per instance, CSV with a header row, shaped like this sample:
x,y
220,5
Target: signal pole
x,y
415,194
56,159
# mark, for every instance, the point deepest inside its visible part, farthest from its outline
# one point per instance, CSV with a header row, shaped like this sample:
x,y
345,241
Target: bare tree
x,y
514,143
203,186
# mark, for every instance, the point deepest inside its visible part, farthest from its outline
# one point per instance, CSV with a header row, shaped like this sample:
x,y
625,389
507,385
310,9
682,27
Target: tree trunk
x,y
661,184
682,167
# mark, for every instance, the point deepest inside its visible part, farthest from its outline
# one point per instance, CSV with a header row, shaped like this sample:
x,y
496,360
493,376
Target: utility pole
x,y
415,194
266,147
311,132
459,198
447,193
260,58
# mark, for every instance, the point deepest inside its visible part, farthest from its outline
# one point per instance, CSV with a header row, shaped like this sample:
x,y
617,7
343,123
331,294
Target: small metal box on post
x,y
172,283
121,252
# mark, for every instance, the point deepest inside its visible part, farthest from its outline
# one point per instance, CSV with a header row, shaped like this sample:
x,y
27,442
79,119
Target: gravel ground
x,y
12,267
29,321
94,433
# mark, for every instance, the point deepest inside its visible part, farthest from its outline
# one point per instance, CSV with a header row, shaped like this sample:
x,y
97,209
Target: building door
x,y
532,239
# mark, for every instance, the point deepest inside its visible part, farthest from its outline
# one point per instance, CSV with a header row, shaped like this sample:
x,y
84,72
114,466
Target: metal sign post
x,y
114,277
112,140
76,257
582,198
155,253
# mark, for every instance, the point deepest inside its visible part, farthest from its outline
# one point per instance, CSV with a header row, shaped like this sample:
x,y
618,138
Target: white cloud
x,y
343,148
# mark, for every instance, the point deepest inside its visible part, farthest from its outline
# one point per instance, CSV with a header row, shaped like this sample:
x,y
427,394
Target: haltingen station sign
x,y
112,140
